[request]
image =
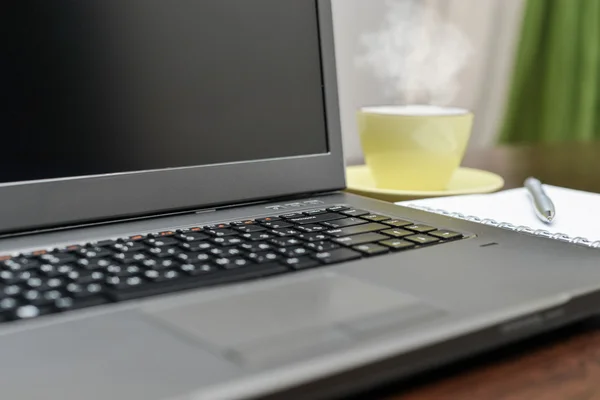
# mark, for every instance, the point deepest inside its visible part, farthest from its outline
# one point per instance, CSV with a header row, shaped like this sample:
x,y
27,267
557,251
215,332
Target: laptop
x,y
174,224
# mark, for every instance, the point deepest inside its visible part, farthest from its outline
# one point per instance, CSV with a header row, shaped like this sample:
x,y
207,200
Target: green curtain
x,y
555,89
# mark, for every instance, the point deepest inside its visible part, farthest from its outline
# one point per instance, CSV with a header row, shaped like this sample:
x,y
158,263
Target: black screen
x,y
110,86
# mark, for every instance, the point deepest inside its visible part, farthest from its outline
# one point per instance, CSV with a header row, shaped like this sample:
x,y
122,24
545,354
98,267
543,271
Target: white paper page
x,y
577,212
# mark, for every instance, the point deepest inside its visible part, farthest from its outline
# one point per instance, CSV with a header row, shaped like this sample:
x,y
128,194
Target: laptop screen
x,y
112,86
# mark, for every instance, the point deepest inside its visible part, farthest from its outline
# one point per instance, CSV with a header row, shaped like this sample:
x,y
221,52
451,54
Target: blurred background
x,y
529,69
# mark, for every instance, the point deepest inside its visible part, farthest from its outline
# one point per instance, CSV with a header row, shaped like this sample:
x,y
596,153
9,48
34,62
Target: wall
x,y
491,25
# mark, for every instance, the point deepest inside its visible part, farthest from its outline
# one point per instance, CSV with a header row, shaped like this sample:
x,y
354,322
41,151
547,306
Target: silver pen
x,y
542,204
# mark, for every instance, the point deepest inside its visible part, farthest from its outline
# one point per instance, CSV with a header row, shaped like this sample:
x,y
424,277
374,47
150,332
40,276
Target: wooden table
x,y
560,365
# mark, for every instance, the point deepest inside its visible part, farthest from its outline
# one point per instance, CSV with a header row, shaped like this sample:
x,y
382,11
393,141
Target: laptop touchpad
x,y
322,307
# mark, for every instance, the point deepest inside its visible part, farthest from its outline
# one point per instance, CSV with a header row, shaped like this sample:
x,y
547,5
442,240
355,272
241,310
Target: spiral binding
x,y
580,241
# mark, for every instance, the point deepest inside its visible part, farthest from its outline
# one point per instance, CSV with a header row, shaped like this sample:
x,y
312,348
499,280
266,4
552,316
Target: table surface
x,y
560,365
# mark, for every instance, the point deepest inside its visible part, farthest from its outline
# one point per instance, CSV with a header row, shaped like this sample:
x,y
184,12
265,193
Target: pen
x,y
542,204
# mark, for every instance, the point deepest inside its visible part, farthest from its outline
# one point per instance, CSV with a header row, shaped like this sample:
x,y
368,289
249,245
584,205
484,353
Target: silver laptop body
x,y
304,333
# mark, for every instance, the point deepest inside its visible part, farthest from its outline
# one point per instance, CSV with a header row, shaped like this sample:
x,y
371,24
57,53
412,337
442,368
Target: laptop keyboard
x,y
80,276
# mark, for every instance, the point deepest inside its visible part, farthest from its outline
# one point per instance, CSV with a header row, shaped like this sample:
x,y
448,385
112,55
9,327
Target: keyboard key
x,y
192,257
263,257
47,260
135,238
167,275
277,225
169,263
87,277
20,264
65,269
128,258
228,241
161,242
198,269
422,239
360,239
113,270
217,226
8,277
34,297
64,304
26,312
10,291
338,208
162,252
420,228
284,232
97,263
293,252
233,263
250,228
397,223
310,228
221,232
446,235
356,230
397,244
53,295
155,264
292,215
285,242
151,275
86,295
57,258
353,212
315,219
197,246
313,237
232,252
397,233
128,247
375,217
8,304
119,258
322,246
193,229
315,212
257,236
255,247
299,263
123,283
192,236
94,252
116,270
217,251
267,219
336,256
342,223
45,284
371,249
243,223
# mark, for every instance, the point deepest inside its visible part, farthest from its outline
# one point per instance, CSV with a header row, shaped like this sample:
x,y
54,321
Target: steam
x,y
416,54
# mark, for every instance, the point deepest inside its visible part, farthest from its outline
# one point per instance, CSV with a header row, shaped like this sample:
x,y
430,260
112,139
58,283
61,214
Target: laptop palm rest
x,y
300,319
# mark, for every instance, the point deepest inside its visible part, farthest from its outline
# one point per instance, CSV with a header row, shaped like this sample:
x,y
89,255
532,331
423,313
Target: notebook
x,y
577,213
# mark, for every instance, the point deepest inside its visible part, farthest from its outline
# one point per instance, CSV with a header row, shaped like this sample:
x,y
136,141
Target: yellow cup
x,y
414,147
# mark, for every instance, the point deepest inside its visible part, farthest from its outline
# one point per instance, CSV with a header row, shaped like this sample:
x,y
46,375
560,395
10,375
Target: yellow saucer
x,y
464,181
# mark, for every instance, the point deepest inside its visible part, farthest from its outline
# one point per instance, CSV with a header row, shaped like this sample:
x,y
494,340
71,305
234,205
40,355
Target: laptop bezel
x,y
63,202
